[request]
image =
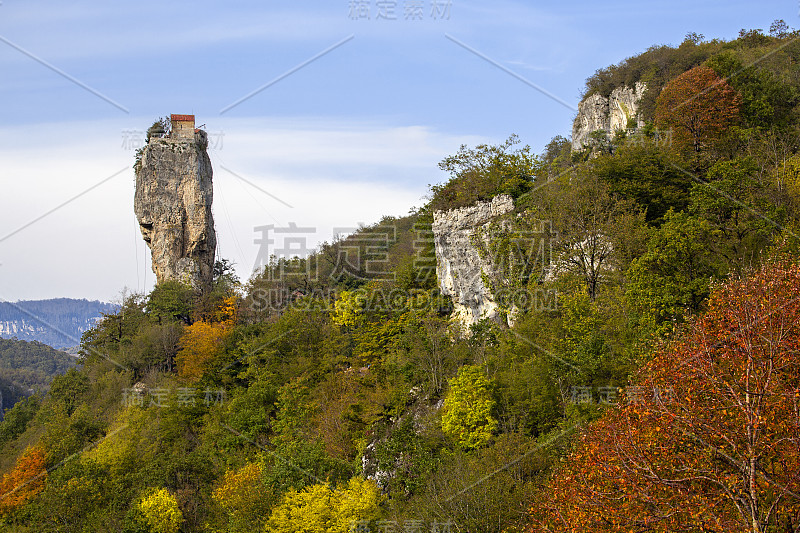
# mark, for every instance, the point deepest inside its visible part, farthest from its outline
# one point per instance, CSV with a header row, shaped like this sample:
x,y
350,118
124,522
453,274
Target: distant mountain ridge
x,y
57,322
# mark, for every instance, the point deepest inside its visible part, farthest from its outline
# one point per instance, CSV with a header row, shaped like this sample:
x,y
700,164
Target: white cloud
x,y
333,173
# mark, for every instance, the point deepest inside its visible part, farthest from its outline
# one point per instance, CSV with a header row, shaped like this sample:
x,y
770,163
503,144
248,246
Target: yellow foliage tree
x,y
203,340
467,410
244,497
789,177
160,512
226,312
25,481
348,310
320,509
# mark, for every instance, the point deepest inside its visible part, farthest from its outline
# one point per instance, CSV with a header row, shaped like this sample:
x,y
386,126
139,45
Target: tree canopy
x,y
708,437
698,106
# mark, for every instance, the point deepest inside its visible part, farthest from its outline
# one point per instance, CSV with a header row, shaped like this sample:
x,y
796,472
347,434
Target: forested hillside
x,y
28,367
656,392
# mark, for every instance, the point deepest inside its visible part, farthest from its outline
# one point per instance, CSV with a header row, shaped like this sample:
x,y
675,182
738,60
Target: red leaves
x,y
697,106
722,452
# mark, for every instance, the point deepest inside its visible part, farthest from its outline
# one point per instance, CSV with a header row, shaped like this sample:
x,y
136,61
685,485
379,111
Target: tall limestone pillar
x,y
174,192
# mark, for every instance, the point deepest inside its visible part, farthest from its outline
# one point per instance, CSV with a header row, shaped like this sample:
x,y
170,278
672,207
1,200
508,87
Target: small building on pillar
x,y
182,126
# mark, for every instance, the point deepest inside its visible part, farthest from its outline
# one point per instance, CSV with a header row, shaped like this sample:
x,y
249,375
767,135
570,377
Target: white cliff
x,y
611,114
460,268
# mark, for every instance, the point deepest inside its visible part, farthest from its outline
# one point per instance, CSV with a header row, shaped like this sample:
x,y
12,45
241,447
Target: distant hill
x,y
26,367
57,322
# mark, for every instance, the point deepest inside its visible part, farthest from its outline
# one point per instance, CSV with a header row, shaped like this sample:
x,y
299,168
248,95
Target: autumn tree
x,y
322,509
159,511
244,498
203,340
698,106
708,438
24,481
467,410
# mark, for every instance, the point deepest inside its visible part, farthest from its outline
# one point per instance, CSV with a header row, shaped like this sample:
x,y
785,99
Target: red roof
x,y
182,118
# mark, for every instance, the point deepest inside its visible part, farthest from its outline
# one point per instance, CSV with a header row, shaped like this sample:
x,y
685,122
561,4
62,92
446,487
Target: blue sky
x,y
348,137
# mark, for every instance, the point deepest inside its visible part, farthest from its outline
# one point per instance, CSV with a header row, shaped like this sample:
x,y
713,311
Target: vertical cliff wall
x,y
460,267
596,112
173,200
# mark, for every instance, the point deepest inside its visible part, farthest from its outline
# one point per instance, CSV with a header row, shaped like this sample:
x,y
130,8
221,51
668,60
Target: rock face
x,y
173,205
611,114
460,269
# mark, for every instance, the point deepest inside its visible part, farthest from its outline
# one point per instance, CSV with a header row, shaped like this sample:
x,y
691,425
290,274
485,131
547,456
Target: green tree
x,y
486,490
766,100
483,172
17,418
557,155
739,210
411,456
673,277
647,174
467,409
585,215
69,389
348,310
171,300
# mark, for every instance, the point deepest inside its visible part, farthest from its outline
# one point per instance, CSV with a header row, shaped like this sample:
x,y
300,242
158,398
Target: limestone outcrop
x,y
460,268
172,202
596,112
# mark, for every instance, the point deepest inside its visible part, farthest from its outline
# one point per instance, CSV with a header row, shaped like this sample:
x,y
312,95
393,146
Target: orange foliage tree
x,y
203,340
25,481
697,106
709,439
